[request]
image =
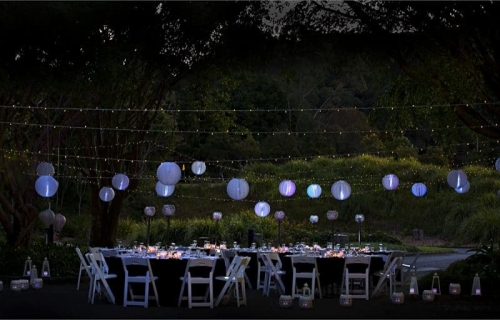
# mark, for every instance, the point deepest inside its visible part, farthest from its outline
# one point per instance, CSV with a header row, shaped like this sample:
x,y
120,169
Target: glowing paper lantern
x,y
456,179
45,169
359,218
106,194
262,209
341,190
46,186
120,181
149,211
59,222
164,190
198,167
168,210
217,215
279,215
419,189
238,189
169,173
497,164
314,219
464,189
47,216
332,214
390,181
314,190
287,188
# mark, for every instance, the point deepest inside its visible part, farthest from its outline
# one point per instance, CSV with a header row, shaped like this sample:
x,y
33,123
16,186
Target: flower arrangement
x,y
333,254
280,249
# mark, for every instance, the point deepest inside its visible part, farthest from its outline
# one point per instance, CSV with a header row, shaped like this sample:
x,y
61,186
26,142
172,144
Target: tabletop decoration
x,y
333,254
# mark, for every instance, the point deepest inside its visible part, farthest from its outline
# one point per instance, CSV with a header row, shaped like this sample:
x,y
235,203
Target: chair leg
x,y
79,276
181,293
125,296
146,295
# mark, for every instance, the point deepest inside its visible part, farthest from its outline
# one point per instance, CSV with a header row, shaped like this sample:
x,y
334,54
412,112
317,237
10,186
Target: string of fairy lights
x,y
69,154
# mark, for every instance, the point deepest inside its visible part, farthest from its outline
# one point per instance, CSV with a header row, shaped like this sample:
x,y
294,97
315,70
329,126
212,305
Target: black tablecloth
x,y
168,271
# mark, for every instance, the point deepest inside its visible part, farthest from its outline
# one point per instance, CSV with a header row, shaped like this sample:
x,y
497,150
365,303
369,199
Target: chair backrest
x,y
300,263
228,256
357,264
137,263
82,258
275,259
233,266
240,272
194,265
100,261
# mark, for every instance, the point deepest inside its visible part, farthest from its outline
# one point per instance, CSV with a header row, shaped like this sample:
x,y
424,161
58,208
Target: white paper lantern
x,y
497,164
198,167
279,215
262,209
164,190
45,169
314,190
169,173
107,194
46,186
419,189
332,214
359,218
149,211
464,189
217,215
287,188
59,222
120,181
390,182
456,179
168,210
314,219
341,190
238,189
47,216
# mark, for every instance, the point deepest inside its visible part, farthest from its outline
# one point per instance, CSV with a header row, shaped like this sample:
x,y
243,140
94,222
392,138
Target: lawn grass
x,y
428,249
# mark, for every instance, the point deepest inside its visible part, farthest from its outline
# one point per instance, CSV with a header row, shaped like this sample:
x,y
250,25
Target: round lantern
x,y
464,189
279,215
419,189
168,210
47,216
341,190
198,167
149,211
456,179
45,169
262,209
359,218
106,194
332,215
314,219
238,189
164,190
497,164
169,173
287,188
390,182
120,181
59,222
46,186
314,190
217,216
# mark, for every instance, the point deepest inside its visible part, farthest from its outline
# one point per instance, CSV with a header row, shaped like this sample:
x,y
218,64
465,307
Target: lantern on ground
x,y
46,186
428,295
476,286
198,167
237,189
314,191
262,209
341,190
455,289
419,189
120,181
106,194
287,188
398,298
279,216
390,182
436,285
164,190
413,284
345,300
168,173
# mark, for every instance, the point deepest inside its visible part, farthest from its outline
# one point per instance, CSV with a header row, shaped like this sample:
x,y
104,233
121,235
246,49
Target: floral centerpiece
x,y
333,254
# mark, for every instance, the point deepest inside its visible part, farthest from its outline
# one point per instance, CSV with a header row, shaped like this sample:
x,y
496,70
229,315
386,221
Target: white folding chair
x,y
407,269
234,277
272,279
388,275
308,269
204,278
261,270
101,275
377,275
146,277
84,265
357,273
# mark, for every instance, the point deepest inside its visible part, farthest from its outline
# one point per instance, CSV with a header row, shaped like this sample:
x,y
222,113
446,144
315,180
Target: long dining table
x,y
330,269
168,271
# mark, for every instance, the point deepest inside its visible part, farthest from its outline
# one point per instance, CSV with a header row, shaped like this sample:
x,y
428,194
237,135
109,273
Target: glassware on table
x,y
254,246
235,244
381,247
119,244
135,245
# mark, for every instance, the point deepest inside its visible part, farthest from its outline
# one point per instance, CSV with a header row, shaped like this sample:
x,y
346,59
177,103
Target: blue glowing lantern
x,y
262,209
464,189
168,173
456,179
390,182
287,188
419,189
314,190
341,190
238,189
164,190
